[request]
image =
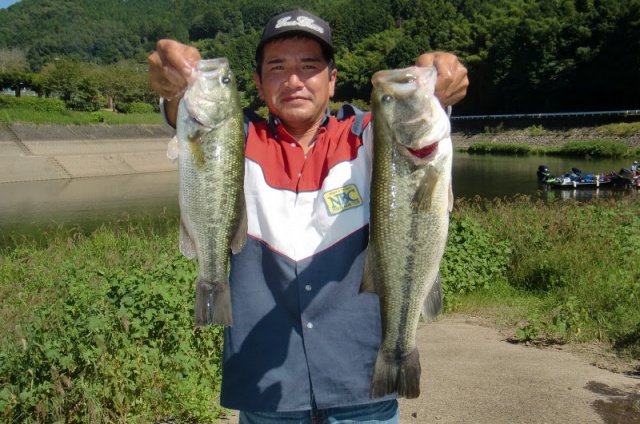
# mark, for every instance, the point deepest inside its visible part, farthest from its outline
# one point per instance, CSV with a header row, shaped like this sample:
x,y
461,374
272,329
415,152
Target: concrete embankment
x,y
50,152
31,152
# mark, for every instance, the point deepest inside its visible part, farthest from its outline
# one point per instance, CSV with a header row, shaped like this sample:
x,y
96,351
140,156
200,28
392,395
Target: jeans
x,y
385,412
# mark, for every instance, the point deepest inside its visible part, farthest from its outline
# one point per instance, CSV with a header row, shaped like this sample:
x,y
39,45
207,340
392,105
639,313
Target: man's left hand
x,y
452,82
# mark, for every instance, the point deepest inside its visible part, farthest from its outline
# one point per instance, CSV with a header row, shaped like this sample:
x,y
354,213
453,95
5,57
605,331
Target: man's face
x,y
296,84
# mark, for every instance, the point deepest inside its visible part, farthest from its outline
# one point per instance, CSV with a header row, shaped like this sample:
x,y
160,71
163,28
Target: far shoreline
x,y
534,136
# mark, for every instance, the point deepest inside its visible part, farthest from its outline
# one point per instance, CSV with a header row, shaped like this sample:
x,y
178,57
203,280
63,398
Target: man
x,y
304,340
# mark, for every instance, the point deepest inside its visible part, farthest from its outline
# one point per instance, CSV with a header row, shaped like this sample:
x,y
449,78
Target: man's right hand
x,y
169,67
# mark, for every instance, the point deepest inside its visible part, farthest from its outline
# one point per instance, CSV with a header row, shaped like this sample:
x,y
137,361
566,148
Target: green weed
x,y
572,267
99,328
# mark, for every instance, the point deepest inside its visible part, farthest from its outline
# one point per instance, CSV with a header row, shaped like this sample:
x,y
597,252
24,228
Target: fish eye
x,y
226,80
387,99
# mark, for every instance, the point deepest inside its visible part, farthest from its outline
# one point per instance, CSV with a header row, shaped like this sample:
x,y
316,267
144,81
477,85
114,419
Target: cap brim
x,y
303,34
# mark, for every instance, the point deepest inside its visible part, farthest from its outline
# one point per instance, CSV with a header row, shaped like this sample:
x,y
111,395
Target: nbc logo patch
x,y
342,199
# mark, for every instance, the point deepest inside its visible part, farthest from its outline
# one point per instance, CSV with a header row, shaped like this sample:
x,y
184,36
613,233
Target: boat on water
x,y
575,179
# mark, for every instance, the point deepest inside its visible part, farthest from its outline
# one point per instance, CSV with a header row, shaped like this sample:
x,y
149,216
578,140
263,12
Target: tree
x,y
13,60
15,81
125,81
355,67
62,77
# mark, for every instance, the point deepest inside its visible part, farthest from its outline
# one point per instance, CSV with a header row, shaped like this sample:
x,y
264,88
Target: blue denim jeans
x,y
385,412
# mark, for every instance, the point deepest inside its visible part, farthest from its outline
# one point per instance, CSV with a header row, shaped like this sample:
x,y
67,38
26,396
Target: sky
x,y
7,3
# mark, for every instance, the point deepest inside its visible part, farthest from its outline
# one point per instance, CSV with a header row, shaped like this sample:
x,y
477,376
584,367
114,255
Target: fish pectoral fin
x,y
450,197
240,236
424,195
173,148
368,282
187,244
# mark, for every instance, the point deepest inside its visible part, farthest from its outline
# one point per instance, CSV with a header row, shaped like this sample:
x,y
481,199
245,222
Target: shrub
x,y
107,334
38,104
473,258
595,148
578,259
84,106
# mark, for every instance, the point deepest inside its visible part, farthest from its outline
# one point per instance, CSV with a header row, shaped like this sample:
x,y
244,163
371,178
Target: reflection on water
x,y
581,194
492,176
86,201
92,201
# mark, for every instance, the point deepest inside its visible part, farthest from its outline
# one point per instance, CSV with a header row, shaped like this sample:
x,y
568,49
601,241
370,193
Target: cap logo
x,y
302,21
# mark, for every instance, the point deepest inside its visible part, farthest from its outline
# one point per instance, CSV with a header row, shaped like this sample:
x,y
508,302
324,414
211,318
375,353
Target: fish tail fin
x,y
393,375
213,304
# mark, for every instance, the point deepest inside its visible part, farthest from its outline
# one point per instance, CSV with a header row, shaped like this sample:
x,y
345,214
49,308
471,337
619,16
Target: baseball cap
x,y
297,22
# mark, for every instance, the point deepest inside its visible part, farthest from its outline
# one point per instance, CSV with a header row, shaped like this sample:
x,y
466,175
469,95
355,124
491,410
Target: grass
x,y
602,145
563,271
18,115
578,148
499,148
620,129
98,327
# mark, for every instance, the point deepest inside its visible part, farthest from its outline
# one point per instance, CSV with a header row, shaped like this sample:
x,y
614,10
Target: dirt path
x,y
471,374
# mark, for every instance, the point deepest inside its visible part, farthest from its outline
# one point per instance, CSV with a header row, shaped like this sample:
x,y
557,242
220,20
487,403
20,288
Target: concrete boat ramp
x,y
51,152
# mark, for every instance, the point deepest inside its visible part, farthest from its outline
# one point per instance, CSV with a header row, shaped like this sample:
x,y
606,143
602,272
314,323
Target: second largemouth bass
x,y
411,198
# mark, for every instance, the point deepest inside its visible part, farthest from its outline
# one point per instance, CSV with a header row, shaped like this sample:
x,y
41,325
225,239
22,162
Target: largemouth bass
x,y
213,220
411,198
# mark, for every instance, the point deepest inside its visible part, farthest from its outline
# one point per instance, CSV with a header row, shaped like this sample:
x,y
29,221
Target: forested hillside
x,y
522,55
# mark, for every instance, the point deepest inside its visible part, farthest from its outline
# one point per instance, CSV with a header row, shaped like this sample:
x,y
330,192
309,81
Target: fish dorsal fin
x,y
368,279
187,244
240,236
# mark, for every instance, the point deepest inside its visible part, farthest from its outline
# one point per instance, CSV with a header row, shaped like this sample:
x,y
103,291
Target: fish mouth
x,y
424,151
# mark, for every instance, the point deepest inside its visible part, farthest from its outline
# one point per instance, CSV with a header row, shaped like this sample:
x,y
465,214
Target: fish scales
x,y
210,135
411,198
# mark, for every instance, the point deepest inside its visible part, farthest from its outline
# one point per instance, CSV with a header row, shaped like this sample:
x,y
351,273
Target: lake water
x,y
491,176
86,201
92,201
